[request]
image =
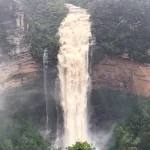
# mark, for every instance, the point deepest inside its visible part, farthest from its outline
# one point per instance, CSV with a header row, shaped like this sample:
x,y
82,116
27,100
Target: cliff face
x,y
16,65
122,74
18,71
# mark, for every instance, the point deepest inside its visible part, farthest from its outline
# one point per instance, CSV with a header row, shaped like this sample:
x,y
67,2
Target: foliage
x,y
122,26
130,112
23,136
135,134
44,18
80,146
8,145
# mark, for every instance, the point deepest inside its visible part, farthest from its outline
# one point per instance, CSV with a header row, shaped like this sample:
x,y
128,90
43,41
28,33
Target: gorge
x,y
55,73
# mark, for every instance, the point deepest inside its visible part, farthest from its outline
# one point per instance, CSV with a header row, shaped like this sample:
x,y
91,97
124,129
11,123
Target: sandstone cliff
x,y
18,68
122,74
16,65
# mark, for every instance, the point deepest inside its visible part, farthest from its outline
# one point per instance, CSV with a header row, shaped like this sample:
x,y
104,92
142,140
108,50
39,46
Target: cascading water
x,y
73,73
45,66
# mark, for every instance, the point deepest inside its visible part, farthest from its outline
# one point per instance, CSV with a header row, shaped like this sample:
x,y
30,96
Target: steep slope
x,y
16,65
122,74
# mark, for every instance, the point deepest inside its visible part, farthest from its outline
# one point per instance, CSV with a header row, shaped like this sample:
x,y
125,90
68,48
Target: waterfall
x,y
74,32
45,67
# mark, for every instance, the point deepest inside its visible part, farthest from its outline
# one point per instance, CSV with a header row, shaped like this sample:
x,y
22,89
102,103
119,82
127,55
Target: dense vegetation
x,y
122,27
80,146
130,112
22,135
135,133
44,18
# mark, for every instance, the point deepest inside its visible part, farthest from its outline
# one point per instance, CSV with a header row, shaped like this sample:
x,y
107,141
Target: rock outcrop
x,y
18,71
122,74
16,65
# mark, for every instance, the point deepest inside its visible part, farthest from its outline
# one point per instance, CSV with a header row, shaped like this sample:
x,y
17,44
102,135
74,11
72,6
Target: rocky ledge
x,y
122,74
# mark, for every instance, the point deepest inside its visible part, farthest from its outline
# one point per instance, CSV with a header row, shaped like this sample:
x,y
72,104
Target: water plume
x,y
74,32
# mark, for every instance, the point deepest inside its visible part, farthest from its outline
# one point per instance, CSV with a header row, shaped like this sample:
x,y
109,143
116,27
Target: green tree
x,y
23,136
122,26
145,136
31,139
80,146
44,18
135,134
7,145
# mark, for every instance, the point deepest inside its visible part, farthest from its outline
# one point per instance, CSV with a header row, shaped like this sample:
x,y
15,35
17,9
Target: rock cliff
x,y
16,65
122,74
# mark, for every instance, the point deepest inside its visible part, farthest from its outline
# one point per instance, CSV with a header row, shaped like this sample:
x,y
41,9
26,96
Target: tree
x,y
44,18
135,134
80,146
7,145
23,136
31,139
122,26
145,136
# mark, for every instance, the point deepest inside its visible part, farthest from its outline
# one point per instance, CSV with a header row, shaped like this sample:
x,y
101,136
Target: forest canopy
x,y
131,113
135,133
23,135
122,26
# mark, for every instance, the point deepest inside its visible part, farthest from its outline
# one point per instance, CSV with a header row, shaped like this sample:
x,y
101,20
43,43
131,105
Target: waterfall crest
x,y
74,33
